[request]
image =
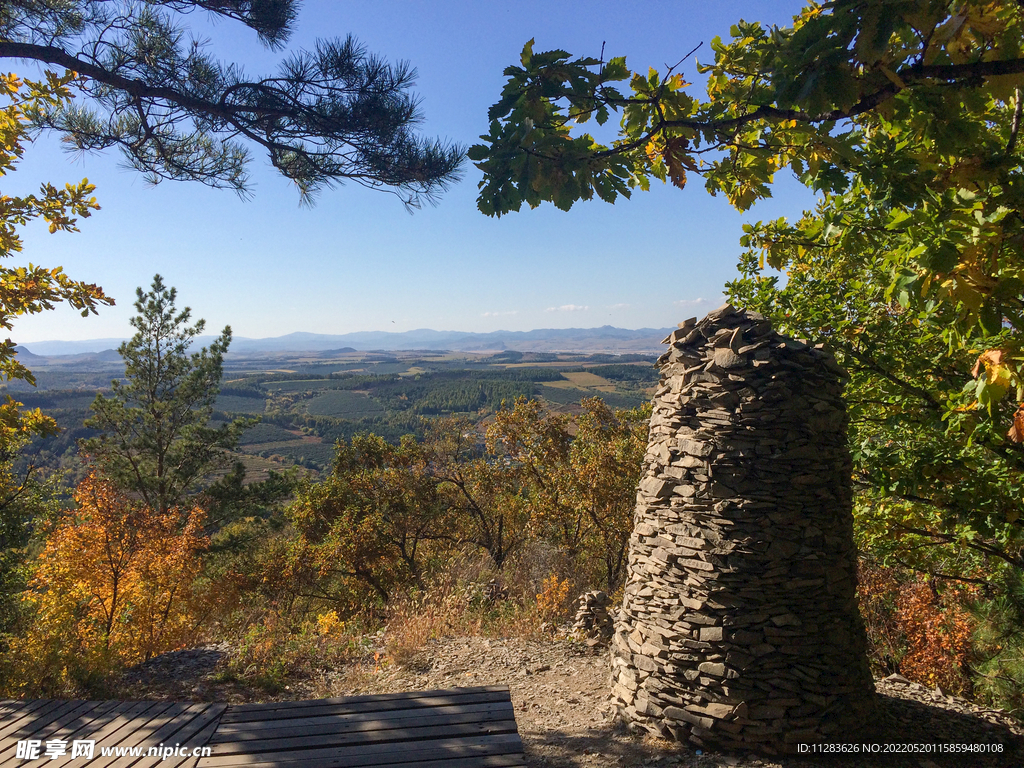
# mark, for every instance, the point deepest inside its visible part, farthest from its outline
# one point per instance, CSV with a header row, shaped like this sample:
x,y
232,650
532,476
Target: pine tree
x,y
154,91
157,443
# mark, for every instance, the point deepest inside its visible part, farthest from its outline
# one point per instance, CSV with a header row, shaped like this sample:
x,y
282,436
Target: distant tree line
x,y
641,374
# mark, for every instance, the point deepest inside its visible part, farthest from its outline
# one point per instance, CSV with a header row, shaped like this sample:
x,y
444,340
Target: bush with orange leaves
x,y
553,598
917,630
113,586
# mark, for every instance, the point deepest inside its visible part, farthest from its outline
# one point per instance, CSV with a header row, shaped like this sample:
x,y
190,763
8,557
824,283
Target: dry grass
x,y
270,651
467,597
470,599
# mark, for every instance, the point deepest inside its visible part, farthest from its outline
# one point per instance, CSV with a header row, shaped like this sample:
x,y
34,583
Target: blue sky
x,y
357,261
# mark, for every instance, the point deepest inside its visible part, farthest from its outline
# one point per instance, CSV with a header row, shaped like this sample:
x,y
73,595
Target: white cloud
x,y
690,302
568,308
501,314
619,306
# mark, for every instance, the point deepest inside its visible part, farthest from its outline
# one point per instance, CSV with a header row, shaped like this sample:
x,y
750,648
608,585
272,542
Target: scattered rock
x,y
593,623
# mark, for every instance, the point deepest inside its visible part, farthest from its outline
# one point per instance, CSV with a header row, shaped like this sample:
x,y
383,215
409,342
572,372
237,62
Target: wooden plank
x,y
326,723
459,728
371,761
334,706
111,711
22,718
373,754
70,718
69,731
165,726
485,761
9,730
8,757
183,731
354,706
143,716
44,728
34,704
252,718
30,723
423,719
374,731
462,728
311,743
192,730
128,716
368,698
28,705
120,723
197,739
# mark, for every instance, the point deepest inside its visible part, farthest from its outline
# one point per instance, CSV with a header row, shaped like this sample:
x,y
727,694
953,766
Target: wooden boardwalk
x,y
462,728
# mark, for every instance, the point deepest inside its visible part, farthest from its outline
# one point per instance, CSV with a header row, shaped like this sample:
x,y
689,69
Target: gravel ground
x,y
560,695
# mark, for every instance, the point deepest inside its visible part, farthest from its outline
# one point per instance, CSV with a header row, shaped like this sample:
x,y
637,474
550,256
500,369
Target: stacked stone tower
x,y
739,626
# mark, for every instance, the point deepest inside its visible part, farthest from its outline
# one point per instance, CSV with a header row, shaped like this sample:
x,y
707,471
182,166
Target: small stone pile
x,y
593,622
739,626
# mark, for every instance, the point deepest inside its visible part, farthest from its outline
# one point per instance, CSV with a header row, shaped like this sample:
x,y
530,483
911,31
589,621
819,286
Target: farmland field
x,y
256,467
587,379
622,400
57,399
300,385
319,454
236,404
343,404
387,367
564,396
275,446
265,433
564,384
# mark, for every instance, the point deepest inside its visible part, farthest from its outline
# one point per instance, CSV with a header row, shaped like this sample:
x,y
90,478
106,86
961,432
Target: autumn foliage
x,y
390,516
113,586
917,630
581,475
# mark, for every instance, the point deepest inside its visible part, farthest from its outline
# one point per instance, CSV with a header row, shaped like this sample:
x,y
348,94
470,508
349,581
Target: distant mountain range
x,y
587,340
